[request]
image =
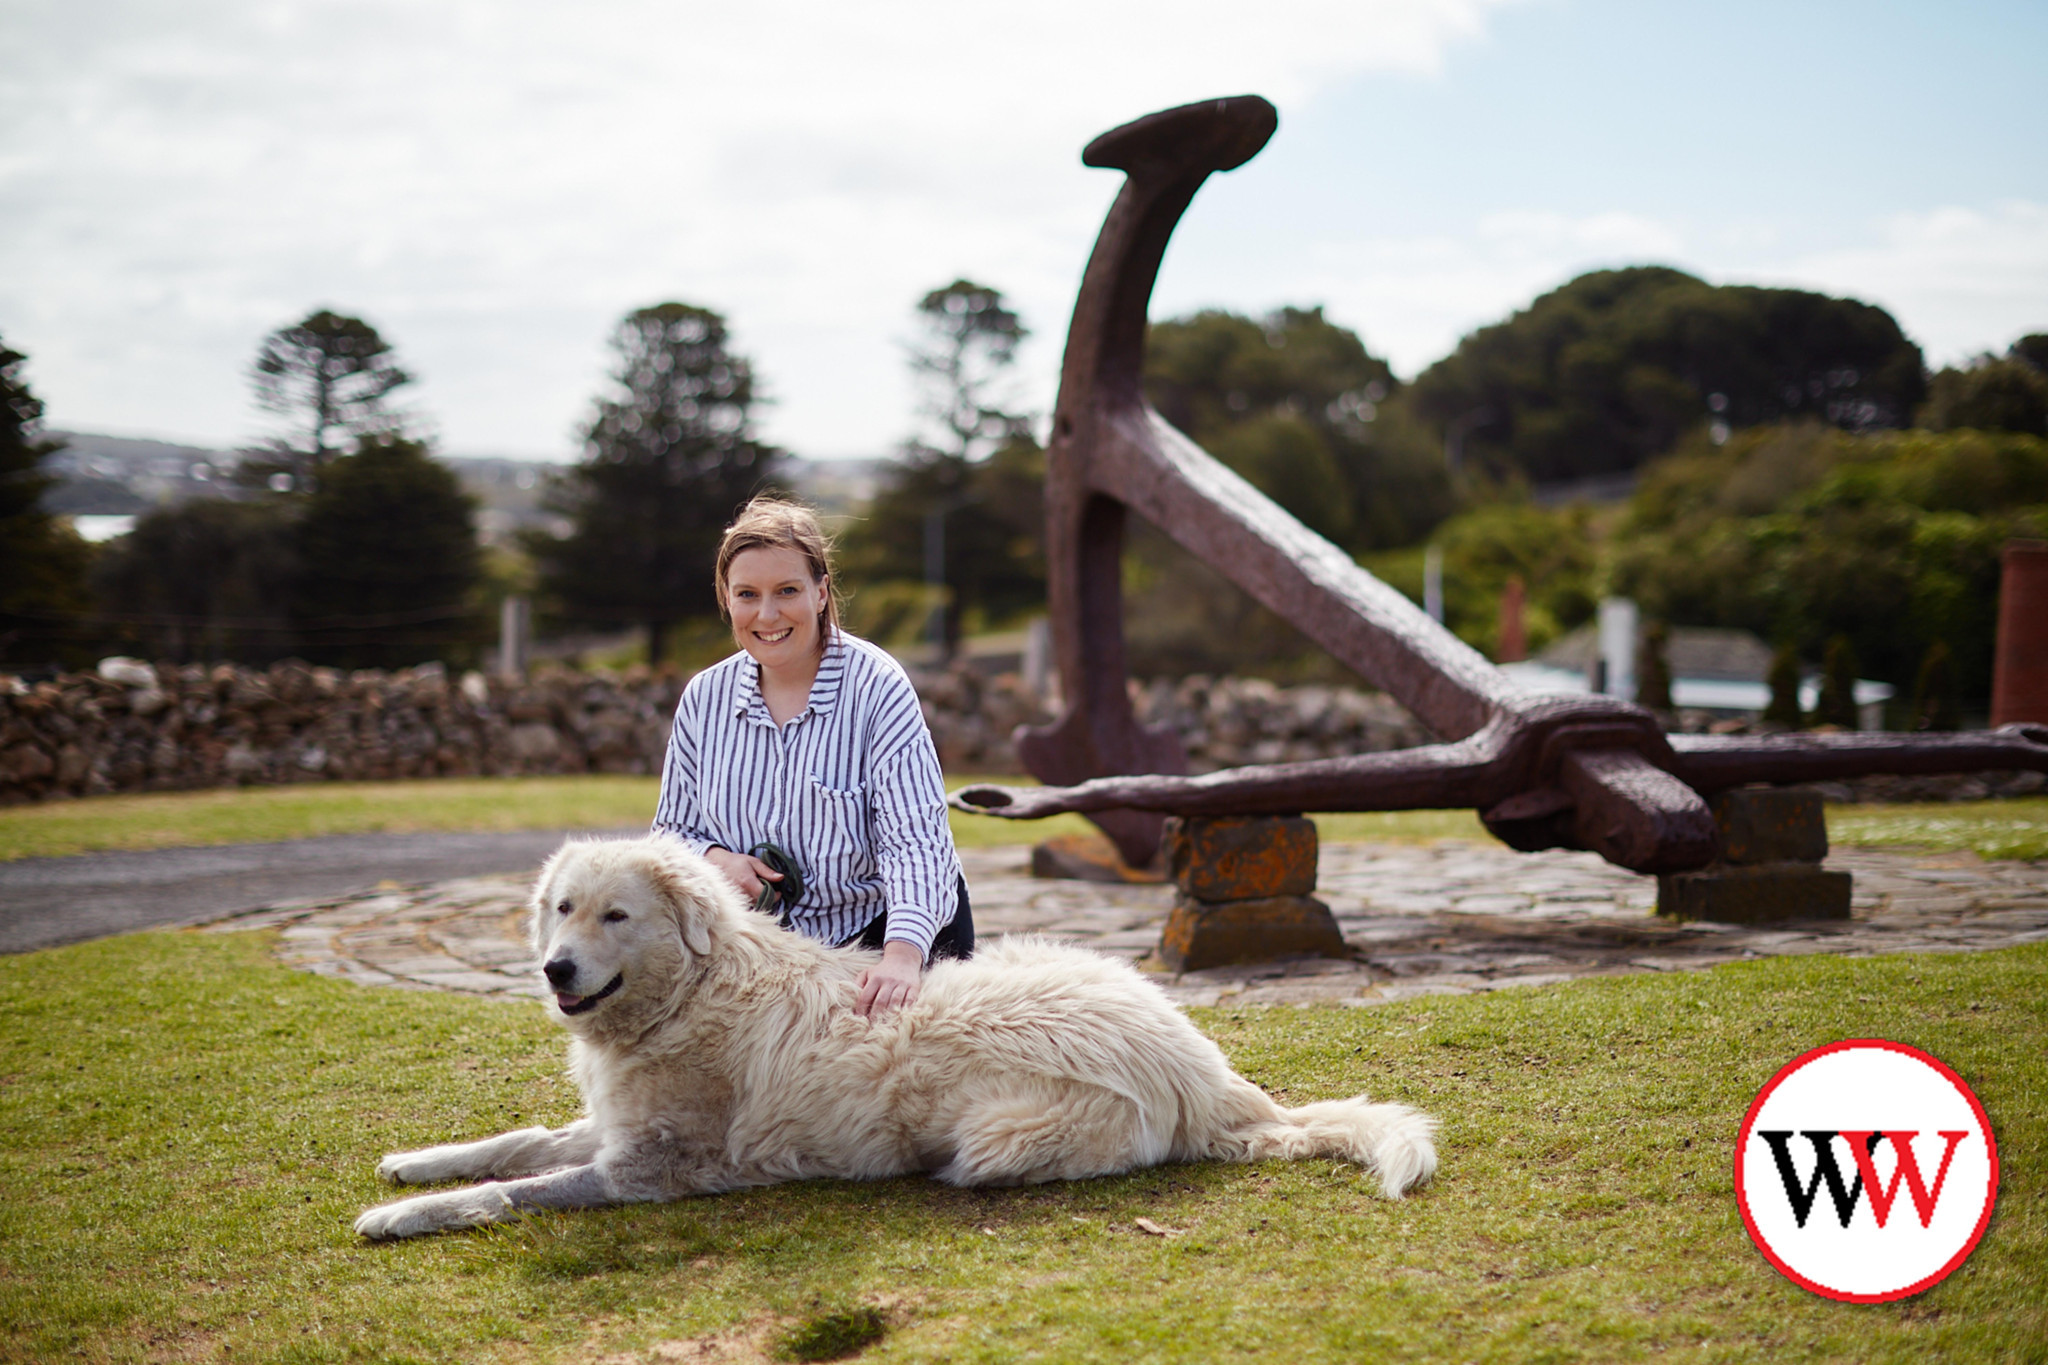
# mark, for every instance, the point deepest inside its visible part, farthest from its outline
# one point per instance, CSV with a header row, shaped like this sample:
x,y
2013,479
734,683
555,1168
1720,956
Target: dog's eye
x,y
614,916
564,907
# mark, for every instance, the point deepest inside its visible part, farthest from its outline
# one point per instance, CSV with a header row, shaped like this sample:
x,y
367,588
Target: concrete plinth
x,y
1762,893
1088,858
1244,884
1772,843
1203,934
1234,858
1771,825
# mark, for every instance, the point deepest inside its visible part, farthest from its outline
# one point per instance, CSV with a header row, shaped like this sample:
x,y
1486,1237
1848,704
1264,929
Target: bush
x,y
1800,533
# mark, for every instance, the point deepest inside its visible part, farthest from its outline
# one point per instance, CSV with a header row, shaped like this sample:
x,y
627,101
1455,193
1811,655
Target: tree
x,y
964,360
1800,533
1934,690
204,580
963,511
1988,395
669,457
325,374
1551,549
389,561
43,561
1297,405
1784,683
1602,374
2033,349
1836,704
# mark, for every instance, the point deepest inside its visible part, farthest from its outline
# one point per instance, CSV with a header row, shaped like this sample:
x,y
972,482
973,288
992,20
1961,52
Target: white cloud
x,y
494,184
1959,280
1413,297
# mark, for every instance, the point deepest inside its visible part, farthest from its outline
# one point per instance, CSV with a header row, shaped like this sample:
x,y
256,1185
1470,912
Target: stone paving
x,y
1448,918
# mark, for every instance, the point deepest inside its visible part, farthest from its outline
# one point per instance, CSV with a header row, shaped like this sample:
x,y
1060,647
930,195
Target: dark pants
x,y
956,940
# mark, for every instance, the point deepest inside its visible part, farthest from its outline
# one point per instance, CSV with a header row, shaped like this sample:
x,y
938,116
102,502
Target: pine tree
x,y
1934,690
669,457
964,509
1784,681
328,375
43,562
1837,702
389,561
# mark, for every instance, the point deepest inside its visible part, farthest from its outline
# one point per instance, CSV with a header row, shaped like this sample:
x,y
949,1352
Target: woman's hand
x,y
891,983
743,870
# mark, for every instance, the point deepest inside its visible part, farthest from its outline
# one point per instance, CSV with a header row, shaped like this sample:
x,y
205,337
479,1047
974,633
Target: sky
x,y
494,183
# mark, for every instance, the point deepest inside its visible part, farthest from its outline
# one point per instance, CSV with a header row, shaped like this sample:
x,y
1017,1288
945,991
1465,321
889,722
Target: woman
x,y
812,740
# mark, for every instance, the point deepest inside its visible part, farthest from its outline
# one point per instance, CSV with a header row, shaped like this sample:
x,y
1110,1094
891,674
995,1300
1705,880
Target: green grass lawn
x,y
1995,829
187,1129
1992,829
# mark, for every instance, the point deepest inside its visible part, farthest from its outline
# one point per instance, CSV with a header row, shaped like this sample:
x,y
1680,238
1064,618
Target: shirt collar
x,y
750,704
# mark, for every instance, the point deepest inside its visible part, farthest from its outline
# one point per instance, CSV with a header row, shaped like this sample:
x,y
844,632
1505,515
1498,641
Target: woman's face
x,y
775,605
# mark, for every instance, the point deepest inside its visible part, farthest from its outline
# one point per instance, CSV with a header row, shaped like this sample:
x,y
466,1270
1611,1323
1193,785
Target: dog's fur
x,y
727,1054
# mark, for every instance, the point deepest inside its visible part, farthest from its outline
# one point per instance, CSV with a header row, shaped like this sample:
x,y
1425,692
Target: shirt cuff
x,y
912,924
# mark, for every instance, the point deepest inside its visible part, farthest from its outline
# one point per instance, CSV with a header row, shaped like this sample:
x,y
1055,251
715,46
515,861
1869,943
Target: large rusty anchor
x,y
1543,772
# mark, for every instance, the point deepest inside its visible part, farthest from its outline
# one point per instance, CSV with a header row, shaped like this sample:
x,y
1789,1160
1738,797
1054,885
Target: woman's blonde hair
x,y
777,524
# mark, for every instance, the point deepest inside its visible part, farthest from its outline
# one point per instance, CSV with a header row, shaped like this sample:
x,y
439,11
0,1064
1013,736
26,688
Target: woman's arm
x,y
914,844
676,813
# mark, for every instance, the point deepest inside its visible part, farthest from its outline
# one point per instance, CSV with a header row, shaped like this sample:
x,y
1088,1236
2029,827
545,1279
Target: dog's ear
x,y
696,933
686,902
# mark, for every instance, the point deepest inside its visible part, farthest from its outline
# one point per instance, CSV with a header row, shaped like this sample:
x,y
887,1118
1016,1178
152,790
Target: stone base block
x,y
1203,934
1761,894
1087,858
1771,825
1241,858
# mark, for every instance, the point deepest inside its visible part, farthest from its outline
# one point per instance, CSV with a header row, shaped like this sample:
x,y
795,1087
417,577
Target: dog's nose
x,y
561,972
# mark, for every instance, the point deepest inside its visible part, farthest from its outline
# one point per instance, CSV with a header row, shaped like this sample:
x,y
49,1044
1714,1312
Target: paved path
x,y
45,902
1443,919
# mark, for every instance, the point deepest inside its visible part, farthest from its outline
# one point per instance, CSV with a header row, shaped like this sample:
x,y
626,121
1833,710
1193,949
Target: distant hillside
x,y
118,475
124,476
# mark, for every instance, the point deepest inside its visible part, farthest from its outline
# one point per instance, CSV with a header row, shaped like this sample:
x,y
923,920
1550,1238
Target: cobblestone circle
x,y
1449,918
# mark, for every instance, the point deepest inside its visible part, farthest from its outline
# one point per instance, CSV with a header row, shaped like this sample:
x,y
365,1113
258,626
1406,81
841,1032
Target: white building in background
x,y
1722,671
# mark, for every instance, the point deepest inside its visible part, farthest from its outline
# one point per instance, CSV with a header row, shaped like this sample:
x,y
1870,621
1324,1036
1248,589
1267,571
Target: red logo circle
x,y
1866,1171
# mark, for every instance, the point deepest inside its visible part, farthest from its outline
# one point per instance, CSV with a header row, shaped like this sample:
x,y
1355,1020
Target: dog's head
x,y
619,925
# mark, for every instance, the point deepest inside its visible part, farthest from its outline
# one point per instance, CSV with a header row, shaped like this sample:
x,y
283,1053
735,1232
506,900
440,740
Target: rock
x,y
535,746
128,672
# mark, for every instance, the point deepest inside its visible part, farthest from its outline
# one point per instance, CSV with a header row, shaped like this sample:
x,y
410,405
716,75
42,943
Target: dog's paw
x,y
434,1213
414,1167
403,1168
389,1222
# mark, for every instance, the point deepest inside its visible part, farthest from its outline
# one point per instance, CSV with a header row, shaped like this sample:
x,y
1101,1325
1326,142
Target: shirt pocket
x,y
834,829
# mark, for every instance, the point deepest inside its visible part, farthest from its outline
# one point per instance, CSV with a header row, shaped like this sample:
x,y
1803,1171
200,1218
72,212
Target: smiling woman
x,y
809,746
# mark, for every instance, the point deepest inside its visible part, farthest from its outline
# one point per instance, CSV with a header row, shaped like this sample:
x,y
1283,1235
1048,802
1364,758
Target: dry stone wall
x,y
1223,722
133,726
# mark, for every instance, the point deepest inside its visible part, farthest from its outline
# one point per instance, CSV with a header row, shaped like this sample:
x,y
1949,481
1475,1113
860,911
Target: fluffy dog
x,y
716,1051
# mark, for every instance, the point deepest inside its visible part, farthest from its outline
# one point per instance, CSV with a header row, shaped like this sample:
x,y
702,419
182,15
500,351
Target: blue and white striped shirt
x,y
850,788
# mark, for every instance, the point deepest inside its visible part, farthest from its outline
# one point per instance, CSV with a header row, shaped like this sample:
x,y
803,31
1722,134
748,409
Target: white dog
x,y
716,1051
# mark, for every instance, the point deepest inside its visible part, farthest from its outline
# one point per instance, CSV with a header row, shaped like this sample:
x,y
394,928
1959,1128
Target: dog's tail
x,y
1394,1142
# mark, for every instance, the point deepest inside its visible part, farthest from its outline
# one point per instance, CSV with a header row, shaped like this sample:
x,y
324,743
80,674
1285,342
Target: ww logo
x,y
1863,1123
